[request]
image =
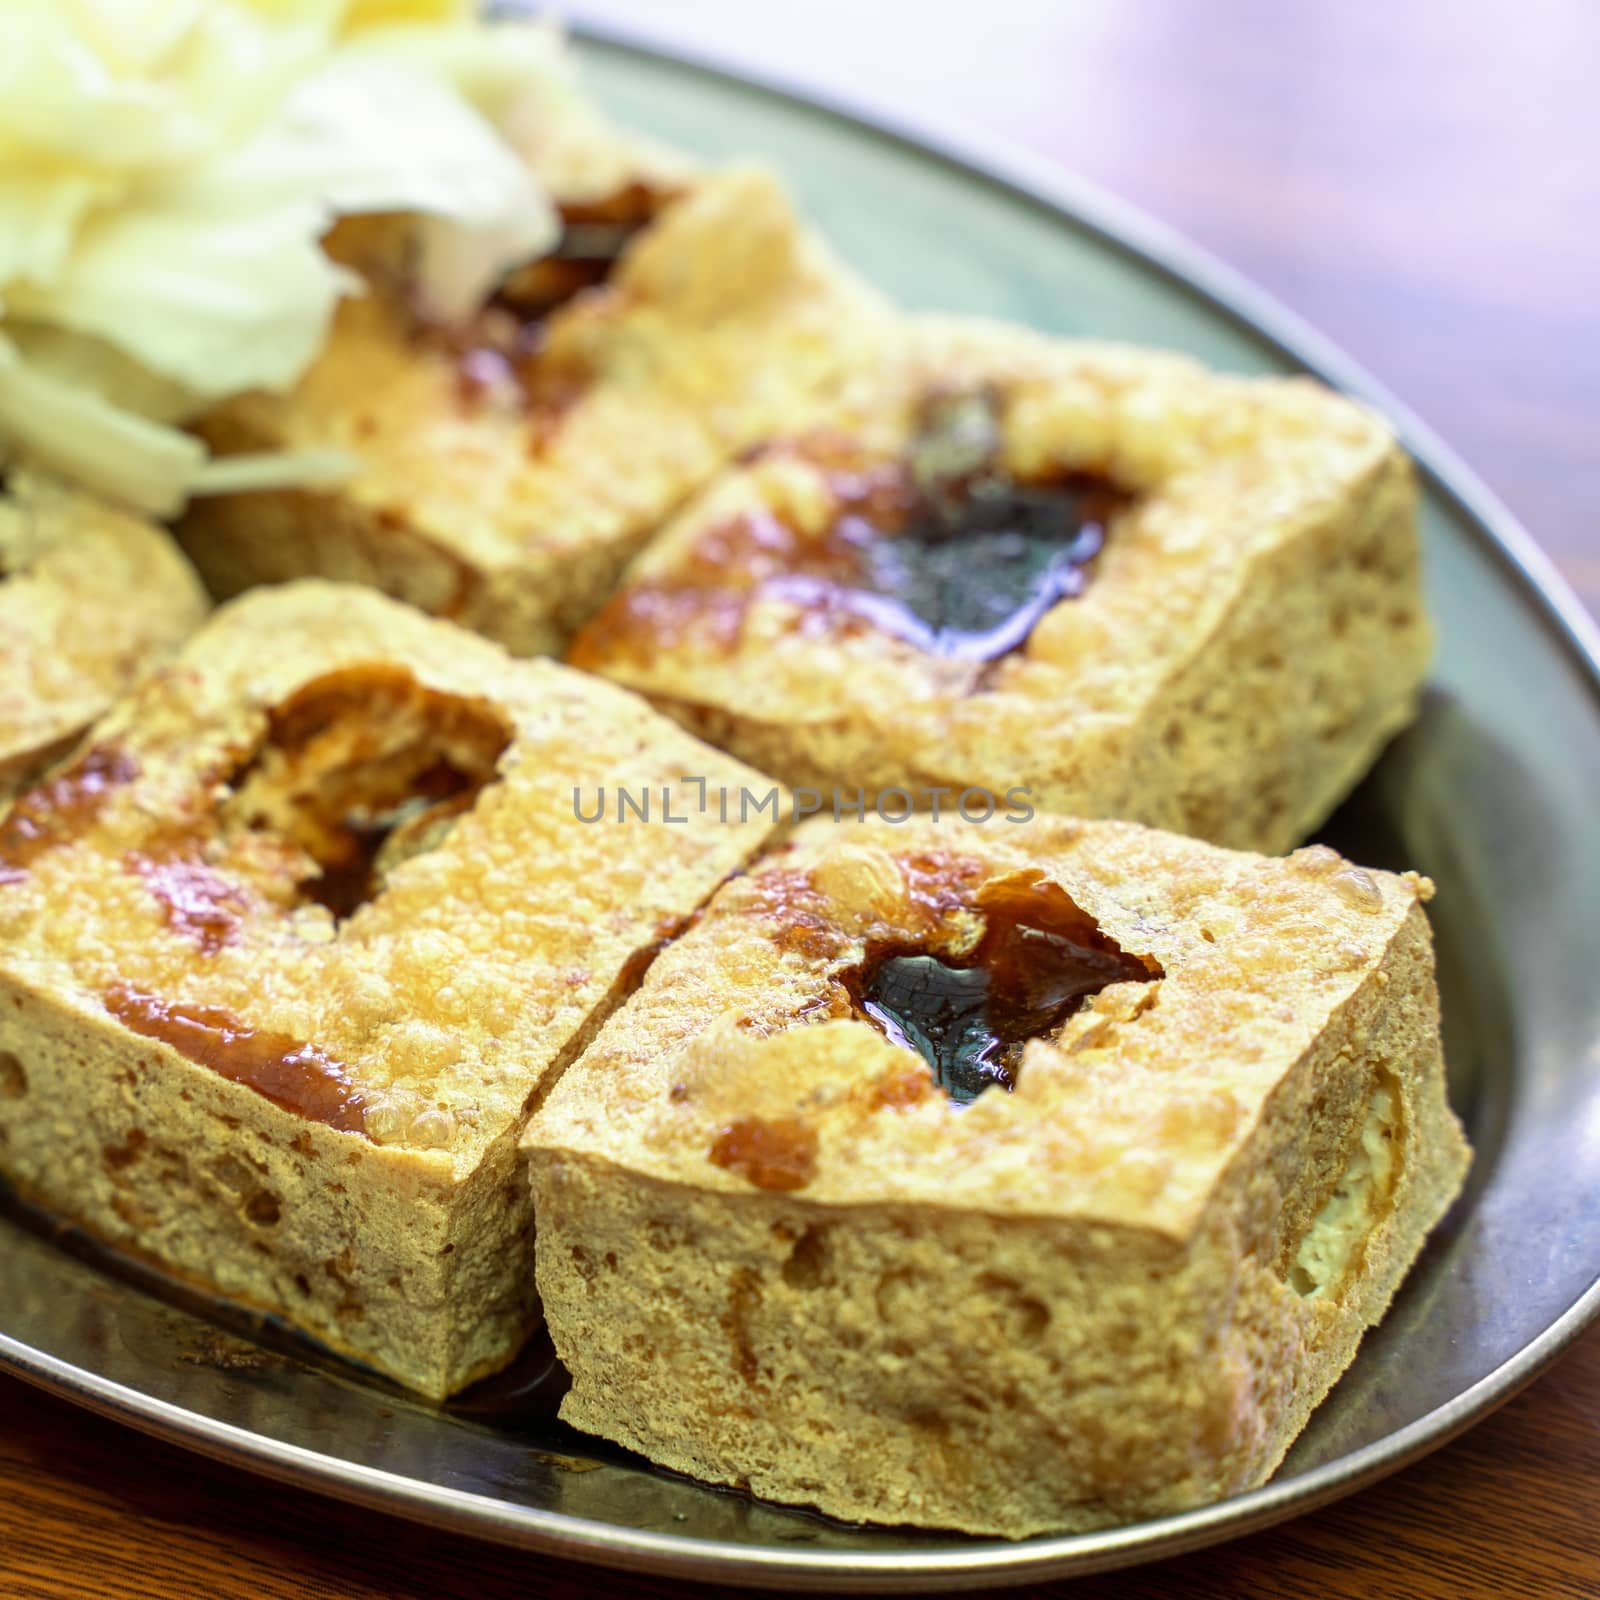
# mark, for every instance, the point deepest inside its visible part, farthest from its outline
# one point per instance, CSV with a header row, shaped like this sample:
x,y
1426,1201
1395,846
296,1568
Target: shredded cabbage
x,y
167,169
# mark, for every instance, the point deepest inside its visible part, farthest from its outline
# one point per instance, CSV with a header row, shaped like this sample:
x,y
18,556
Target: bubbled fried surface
x,y
90,597
1250,634
1131,1114
512,507
456,987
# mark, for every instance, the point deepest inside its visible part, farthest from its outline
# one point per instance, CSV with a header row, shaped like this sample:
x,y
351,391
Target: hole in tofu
x,y
507,348
361,770
969,557
943,548
13,1076
1333,1243
969,1014
806,1266
1024,1316
119,1157
595,234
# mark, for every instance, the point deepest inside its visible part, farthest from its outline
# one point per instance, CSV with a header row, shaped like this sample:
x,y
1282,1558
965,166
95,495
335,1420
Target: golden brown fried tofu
x,y
1131,586
510,467
1012,1177
285,953
90,597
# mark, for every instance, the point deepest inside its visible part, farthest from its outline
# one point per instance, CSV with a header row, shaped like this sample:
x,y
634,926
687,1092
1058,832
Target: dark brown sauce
x,y
1040,957
908,1086
939,882
594,236
61,808
942,549
971,583
297,1076
800,924
777,1153
195,901
505,349
509,359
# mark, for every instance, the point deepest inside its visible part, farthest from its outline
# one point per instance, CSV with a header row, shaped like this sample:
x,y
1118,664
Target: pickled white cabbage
x,y
167,169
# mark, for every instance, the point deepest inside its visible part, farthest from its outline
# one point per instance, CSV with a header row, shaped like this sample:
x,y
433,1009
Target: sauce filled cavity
x,y
594,235
505,346
362,769
942,548
977,557
968,1016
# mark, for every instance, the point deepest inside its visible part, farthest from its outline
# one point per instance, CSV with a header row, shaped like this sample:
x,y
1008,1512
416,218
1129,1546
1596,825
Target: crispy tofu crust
x,y
511,504
90,597
315,1113
1249,637
773,1254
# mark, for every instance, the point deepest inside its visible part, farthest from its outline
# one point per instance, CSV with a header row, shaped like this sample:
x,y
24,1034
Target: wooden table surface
x,y
1422,182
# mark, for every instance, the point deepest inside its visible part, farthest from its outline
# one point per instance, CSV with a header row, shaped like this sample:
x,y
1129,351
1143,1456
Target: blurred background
x,y
1420,179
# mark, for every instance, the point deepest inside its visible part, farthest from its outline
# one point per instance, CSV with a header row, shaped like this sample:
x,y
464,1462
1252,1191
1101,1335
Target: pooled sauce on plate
x,y
1040,957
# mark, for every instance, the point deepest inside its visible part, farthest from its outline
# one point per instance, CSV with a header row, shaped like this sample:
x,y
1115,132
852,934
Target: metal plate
x,y
1492,792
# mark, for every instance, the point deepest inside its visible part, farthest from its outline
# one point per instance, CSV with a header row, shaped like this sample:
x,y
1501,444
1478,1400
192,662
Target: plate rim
x,y
1001,164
